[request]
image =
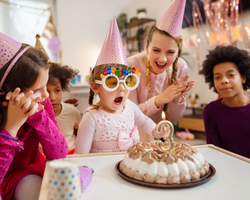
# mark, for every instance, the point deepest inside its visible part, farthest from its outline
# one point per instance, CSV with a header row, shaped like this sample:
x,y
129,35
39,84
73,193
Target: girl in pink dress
x,y
164,77
26,118
111,124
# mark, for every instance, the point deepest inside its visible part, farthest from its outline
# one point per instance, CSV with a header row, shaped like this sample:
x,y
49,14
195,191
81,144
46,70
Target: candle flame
x,y
163,116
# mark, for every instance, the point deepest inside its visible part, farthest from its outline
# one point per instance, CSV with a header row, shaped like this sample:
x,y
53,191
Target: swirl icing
x,y
181,165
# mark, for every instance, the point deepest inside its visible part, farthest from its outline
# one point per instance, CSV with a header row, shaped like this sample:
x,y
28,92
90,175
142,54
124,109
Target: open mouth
x,y
118,100
160,66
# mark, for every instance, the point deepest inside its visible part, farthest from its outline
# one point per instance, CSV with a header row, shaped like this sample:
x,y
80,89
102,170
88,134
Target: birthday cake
x,y
182,164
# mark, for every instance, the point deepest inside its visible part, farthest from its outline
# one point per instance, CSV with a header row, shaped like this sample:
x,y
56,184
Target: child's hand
x,y
164,131
20,107
76,126
72,101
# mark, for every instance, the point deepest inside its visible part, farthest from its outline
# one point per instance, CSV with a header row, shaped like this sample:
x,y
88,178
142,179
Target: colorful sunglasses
x,y
110,80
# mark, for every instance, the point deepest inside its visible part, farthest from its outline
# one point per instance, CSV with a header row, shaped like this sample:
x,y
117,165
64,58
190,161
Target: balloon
x,y
54,44
108,70
104,72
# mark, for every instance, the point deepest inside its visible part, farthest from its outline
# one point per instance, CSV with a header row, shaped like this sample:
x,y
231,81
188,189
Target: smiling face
x,y
55,95
39,87
162,51
111,101
228,81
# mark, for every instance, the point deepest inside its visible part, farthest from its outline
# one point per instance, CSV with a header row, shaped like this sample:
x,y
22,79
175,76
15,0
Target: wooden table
x,y
231,180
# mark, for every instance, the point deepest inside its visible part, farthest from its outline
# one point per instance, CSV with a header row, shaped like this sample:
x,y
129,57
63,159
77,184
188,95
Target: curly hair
x,y
222,54
63,73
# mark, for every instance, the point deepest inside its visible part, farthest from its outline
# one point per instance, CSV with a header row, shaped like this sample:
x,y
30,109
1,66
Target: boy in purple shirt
x,y
227,70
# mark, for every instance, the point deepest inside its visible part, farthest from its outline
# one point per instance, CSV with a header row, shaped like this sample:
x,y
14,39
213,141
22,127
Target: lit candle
x,y
168,136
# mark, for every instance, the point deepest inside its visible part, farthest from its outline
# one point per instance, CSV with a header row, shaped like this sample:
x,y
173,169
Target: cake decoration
x,y
165,162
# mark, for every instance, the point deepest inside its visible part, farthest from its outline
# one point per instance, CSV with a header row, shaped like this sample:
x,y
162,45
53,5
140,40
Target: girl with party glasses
x,y
26,119
111,124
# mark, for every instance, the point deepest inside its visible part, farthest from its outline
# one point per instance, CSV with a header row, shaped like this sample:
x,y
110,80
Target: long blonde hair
x,y
178,40
96,72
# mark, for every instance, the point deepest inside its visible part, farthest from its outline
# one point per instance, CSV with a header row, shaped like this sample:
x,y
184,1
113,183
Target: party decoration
x,y
64,181
213,39
208,13
247,29
224,39
171,21
193,41
40,46
112,50
9,46
54,44
236,33
117,72
234,12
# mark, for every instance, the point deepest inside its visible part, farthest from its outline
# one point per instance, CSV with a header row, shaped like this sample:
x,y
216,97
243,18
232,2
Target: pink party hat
x,y
8,49
171,21
112,50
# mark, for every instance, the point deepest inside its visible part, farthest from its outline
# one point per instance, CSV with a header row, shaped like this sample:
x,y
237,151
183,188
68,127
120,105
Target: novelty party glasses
x,y
110,80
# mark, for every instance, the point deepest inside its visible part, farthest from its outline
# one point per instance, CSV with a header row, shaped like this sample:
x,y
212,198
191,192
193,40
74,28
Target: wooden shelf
x,y
191,123
132,39
138,22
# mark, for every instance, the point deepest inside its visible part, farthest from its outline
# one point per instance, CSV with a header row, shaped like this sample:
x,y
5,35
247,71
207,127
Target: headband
x,y
12,64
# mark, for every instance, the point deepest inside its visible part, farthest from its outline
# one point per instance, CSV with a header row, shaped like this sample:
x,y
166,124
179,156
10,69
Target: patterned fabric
x,y
40,127
99,130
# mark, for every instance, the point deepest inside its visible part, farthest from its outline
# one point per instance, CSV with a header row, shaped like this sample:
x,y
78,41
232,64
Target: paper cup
x,y
64,181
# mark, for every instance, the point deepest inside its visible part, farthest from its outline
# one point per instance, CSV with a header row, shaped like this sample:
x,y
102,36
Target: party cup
x,y
64,181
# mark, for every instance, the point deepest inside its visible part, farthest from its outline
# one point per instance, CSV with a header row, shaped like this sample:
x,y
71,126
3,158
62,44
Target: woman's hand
x,y
20,107
173,92
184,92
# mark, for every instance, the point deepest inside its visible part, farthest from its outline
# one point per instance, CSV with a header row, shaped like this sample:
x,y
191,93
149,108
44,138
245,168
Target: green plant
x,y
141,10
139,34
121,22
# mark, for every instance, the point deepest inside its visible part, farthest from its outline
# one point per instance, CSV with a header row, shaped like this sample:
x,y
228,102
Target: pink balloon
x,y
54,44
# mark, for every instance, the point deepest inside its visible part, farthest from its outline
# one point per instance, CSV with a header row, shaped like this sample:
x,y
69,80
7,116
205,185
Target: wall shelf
x,y
133,44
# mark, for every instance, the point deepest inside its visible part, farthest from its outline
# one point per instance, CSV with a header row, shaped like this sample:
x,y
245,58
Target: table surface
x,y
231,180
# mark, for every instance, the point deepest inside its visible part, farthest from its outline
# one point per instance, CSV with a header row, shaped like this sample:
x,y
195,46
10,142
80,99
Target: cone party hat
x,y
112,50
171,21
8,49
40,46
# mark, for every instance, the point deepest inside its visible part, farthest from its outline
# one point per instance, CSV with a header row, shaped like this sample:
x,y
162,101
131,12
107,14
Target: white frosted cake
x,y
182,164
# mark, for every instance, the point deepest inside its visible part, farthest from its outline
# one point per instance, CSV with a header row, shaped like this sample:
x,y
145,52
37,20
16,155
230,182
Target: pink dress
x,y
100,131
158,85
19,159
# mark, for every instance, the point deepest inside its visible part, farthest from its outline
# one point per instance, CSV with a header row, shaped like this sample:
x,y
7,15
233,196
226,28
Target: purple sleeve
x,y
50,136
211,130
7,152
